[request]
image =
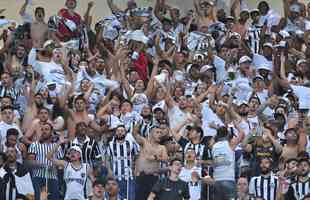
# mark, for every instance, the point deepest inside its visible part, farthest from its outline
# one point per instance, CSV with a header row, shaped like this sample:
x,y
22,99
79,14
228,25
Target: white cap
x,y
205,68
268,44
254,10
235,34
245,10
295,8
284,34
258,77
160,105
190,66
301,61
239,103
76,148
244,59
47,43
263,67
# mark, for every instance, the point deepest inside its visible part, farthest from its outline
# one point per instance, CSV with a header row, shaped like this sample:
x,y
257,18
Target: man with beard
x,y
147,121
152,154
34,133
76,173
39,29
301,187
42,169
123,151
16,61
266,185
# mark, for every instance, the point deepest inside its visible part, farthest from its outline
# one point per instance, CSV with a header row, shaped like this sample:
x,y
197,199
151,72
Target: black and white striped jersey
x,y
298,190
265,188
253,37
45,168
122,158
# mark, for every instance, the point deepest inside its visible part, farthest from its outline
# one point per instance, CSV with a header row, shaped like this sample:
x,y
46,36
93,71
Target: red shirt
x,y
66,33
141,65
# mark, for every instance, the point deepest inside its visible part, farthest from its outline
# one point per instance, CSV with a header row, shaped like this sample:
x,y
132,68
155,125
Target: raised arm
x,y
125,82
197,8
113,7
87,17
157,11
236,140
22,10
136,134
176,132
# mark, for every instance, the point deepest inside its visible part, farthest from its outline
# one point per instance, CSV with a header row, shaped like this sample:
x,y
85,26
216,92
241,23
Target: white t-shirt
x,y
303,94
51,71
221,73
4,127
208,116
176,116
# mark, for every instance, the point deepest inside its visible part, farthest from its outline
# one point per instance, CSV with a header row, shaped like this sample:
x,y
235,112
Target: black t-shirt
x,y
168,189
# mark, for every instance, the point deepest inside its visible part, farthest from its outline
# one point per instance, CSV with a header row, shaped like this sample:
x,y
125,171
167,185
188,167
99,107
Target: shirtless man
x,y
149,160
205,12
79,114
34,132
39,28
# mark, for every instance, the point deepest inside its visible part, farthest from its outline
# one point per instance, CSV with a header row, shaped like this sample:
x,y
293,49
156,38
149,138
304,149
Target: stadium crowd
x,y
156,103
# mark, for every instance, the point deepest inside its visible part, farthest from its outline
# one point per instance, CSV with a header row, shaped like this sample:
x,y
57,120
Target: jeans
x,y
225,190
52,188
127,187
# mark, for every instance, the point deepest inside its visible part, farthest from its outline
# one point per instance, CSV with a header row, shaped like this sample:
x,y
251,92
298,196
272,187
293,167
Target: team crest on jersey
x,y
82,175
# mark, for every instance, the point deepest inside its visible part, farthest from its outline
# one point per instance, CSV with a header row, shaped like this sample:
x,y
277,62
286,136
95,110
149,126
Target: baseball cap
x,y
245,10
205,68
230,18
258,77
301,61
254,11
268,44
239,103
190,66
295,8
245,59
